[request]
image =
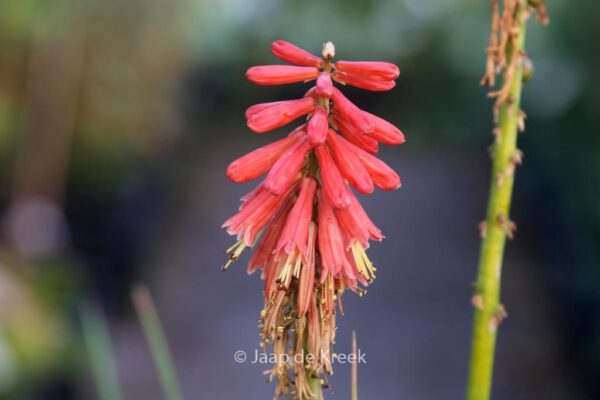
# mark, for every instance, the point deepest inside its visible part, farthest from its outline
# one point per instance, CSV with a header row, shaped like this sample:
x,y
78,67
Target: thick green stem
x,y
488,310
157,341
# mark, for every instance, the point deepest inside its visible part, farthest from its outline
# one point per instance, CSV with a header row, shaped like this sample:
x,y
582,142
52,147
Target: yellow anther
x,y
363,264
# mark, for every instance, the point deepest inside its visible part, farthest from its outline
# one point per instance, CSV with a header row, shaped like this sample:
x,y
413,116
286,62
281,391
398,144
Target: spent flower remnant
x,y
313,231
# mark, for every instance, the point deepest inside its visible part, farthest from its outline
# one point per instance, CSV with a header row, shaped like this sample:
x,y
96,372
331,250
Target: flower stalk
x,y
314,383
507,52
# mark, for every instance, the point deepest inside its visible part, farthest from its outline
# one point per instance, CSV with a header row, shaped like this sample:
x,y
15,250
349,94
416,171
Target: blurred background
x,y
119,117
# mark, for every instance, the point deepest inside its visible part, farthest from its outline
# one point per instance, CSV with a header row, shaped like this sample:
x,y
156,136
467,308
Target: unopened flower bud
x,y
328,51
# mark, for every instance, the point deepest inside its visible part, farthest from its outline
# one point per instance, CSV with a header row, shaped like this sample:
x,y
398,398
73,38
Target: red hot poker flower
x,y
317,127
260,161
363,83
280,74
324,85
382,175
264,119
306,279
331,240
333,182
255,109
349,164
292,248
295,234
372,70
314,231
384,131
349,131
284,171
264,253
350,112
295,55
254,215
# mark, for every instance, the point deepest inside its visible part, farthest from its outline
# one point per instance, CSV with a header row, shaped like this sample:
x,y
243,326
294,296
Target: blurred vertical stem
x,y
156,340
97,340
488,310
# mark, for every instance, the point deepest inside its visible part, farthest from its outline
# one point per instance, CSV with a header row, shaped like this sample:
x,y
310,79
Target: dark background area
x,y
118,119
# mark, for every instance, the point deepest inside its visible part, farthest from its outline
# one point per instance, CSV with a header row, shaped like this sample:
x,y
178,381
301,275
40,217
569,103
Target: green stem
x,y
156,340
97,339
489,312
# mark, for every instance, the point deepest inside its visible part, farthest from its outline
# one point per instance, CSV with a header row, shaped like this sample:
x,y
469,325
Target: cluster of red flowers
x,y
314,231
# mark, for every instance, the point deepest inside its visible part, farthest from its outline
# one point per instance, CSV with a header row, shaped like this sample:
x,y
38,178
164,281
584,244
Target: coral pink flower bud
x,y
316,129
280,114
382,175
350,272
363,83
330,239
350,132
284,171
264,252
333,183
373,70
280,74
259,161
256,108
352,228
324,85
384,131
350,112
356,224
314,328
348,163
295,234
254,215
306,281
328,50
295,55
361,214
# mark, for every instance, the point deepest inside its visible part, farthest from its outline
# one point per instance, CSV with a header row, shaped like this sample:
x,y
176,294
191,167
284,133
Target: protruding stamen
x,y
289,267
234,253
364,265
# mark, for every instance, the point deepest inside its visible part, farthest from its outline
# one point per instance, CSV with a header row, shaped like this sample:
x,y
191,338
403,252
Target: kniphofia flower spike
x,y
313,231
